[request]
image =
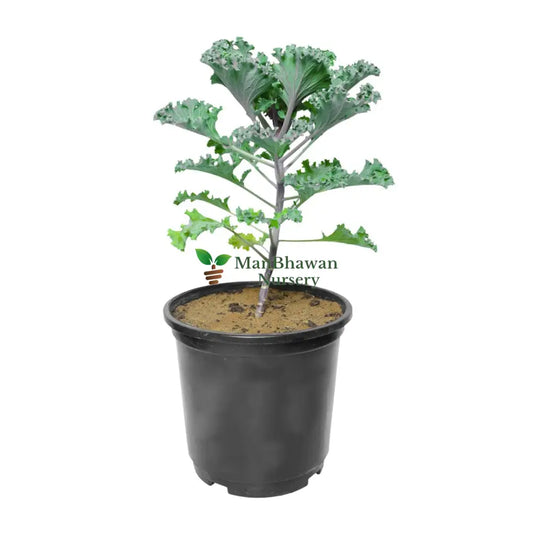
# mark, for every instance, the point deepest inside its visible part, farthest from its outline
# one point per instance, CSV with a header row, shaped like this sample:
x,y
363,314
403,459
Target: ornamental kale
x,y
291,102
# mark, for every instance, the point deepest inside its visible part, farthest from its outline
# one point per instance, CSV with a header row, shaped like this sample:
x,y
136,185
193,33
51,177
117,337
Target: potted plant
x,y
258,362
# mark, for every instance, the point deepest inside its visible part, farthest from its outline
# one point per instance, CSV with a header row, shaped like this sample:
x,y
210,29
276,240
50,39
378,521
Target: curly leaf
x,y
327,175
260,138
193,115
334,106
245,76
344,235
251,138
197,225
302,71
298,127
245,240
349,76
218,167
204,256
204,197
249,216
289,213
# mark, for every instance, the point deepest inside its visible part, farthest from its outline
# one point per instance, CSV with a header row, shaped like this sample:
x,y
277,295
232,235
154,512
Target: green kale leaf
x,y
204,197
248,78
245,240
349,76
193,115
302,71
344,235
333,106
259,138
289,213
250,216
216,166
197,225
314,178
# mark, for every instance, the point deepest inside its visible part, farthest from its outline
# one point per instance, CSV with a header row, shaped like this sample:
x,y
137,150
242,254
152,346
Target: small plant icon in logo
x,y
213,275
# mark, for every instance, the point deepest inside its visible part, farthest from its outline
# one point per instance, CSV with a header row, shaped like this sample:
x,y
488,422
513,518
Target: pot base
x,y
261,491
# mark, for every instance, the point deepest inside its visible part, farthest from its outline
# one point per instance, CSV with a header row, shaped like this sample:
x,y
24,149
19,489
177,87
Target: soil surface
x,y
234,311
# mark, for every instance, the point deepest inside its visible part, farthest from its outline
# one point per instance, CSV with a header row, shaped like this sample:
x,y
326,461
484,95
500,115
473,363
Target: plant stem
x,y
262,173
247,156
288,165
295,149
274,241
287,120
263,256
263,121
259,197
258,229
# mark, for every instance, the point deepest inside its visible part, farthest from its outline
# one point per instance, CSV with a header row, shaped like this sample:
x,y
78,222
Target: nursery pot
x,y
257,406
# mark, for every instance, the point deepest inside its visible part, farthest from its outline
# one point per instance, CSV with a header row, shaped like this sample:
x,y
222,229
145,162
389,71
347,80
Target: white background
x,y
432,428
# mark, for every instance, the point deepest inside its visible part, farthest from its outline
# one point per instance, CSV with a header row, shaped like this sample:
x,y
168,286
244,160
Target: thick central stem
x,y
274,241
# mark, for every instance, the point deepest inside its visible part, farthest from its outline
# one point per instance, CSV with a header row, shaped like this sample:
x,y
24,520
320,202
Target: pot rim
x,y
254,338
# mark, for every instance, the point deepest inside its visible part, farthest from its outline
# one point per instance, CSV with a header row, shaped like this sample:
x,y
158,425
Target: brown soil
x,y
234,311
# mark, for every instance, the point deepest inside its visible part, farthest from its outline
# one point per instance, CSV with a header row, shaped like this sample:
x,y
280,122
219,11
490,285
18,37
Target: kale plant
x,y
291,102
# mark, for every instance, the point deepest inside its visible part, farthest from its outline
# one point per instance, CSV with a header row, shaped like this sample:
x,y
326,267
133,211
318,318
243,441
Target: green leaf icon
x,y
204,256
222,259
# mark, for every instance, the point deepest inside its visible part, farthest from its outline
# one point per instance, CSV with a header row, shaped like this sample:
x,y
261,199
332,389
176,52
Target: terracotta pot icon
x,y
213,275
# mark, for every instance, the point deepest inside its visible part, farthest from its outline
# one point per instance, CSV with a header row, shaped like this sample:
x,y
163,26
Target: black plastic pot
x,y
257,407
